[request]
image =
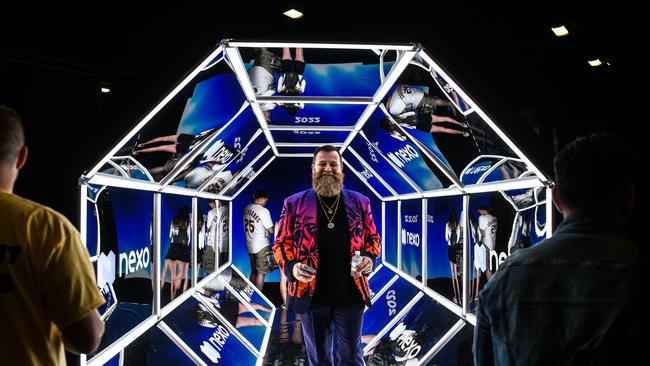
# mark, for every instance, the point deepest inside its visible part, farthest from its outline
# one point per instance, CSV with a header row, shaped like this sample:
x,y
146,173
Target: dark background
x,y
536,86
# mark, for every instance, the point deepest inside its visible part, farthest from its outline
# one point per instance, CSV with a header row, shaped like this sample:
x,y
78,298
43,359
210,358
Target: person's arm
x,y
283,247
70,292
371,239
482,346
447,233
83,336
268,223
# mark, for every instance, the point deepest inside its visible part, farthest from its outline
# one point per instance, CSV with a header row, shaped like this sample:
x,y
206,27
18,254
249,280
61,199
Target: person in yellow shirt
x,y
48,295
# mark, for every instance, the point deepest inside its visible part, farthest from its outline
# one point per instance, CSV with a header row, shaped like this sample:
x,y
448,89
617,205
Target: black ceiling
x,y
535,85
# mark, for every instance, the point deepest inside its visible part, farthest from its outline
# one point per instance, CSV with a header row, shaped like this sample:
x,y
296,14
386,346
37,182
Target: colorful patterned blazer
x,y
297,241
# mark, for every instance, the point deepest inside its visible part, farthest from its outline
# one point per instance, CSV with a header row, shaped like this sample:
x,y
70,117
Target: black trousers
x,y
318,325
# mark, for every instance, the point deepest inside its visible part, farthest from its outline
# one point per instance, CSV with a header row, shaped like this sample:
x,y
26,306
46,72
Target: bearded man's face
x,y
327,173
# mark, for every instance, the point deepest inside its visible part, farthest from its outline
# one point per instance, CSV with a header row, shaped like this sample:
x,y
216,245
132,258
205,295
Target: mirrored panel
x,y
386,307
123,265
217,150
367,152
316,114
92,219
297,150
248,172
216,248
176,245
310,136
366,174
411,238
413,157
313,72
204,105
425,105
445,227
412,336
457,352
208,334
391,234
230,296
379,278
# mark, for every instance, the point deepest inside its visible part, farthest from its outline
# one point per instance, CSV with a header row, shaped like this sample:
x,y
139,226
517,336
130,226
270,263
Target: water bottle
x,y
356,261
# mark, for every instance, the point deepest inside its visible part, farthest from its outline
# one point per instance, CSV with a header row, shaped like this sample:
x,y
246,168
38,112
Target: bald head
x,y
13,152
12,136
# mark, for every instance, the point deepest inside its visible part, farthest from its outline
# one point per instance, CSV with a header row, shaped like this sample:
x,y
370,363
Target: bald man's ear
x,y
22,157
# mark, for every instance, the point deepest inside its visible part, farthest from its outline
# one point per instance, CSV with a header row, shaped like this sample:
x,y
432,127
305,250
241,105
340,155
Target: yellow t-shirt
x,y
46,282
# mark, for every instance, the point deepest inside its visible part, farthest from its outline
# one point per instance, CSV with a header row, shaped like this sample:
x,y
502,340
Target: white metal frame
x,y
228,51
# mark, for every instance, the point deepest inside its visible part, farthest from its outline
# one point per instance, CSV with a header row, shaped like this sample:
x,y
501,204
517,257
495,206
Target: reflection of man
x,y
570,298
262,76
217,232
487,235
411,107
319,231
48,295
258,227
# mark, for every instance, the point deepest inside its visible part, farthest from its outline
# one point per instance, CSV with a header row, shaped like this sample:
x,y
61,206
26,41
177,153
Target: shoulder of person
x,y
297,196
356,195
34,210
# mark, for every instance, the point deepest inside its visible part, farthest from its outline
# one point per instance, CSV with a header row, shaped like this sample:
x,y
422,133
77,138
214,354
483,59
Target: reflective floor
x,y
285,344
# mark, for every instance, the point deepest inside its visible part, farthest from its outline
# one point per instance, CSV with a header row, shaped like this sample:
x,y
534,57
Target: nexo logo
x,y
134,261
410,238
212,349
478,169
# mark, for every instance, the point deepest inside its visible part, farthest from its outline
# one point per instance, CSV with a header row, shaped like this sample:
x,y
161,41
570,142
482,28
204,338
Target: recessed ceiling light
x,y
106,90
560,31
293,14
594,63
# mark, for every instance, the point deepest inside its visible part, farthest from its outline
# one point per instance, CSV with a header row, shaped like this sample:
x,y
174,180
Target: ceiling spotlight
x,y
594,63
293,14
106,90
560,31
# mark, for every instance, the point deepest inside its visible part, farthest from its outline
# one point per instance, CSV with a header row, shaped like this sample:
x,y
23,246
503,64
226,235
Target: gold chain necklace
x,y
329,209
330,224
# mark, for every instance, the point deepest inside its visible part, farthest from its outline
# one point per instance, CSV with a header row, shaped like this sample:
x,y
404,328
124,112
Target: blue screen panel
x,y
249,292
439,265
414,334
411,237
380,165
391,234
248,152
405,154
322,137
130,226
458,351
214,102
92,228
387,306
170,207
207,335
368,176
379,279
319,115
296,150
218,298
247,173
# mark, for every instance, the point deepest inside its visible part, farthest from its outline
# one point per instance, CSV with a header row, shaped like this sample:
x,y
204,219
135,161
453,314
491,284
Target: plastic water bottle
x,y
356,261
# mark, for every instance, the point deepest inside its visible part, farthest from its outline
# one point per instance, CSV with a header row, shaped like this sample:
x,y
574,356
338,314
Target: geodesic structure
x,y
411,139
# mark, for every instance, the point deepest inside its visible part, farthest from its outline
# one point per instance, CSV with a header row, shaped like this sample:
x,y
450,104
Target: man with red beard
x,y
320,229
